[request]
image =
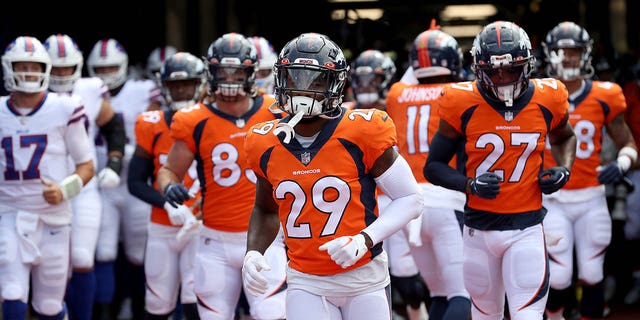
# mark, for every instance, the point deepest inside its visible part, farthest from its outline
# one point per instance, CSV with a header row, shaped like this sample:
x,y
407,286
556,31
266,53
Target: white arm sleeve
x,y
78,143
399,184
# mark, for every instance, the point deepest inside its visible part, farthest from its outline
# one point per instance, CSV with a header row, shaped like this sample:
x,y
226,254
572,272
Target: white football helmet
x,y
64,52
267,57
158,56
26,49
109,53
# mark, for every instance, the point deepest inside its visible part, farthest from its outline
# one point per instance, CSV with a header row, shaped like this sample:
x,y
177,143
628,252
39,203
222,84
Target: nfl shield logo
x,y
240,123
305,158
508,116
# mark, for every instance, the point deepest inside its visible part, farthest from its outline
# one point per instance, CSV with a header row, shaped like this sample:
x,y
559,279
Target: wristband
x,y
71,186
115,163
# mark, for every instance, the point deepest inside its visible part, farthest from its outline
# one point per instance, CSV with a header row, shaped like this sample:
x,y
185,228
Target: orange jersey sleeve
x,y
153,135
598,104
414,110
217,140
507,141
324,191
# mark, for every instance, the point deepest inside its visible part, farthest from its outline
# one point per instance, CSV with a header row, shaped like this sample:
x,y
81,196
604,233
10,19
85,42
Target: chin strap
x,y
287,127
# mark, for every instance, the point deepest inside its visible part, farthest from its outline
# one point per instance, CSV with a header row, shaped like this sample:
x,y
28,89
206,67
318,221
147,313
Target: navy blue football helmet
x,y
502,61
232,63
568,35
374,70
311,72
435,53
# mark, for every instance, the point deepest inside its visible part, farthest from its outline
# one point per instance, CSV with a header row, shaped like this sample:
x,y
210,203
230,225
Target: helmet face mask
x,y
109,53
64,53
232,62
502,61
182,79
17,64
567,48
310,76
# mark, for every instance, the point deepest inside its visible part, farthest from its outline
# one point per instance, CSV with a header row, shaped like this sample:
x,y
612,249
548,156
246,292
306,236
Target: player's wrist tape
x,y
115,163
626,157
71,186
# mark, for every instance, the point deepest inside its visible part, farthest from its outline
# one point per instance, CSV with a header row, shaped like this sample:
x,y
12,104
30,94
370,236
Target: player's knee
x,y
272,308
82,258
135,254
13,291
592,273
158,305
48,307
104,254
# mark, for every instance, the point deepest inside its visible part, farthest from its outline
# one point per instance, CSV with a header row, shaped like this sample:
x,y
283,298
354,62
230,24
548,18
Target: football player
x,y
266,59
317,172
66,70
39,132
370,76
122,214
578,214
172,235
502,120
213,134
436,59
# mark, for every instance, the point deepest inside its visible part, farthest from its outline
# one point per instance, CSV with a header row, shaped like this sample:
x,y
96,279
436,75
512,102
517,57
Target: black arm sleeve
x,y
140,172
437,169
113,131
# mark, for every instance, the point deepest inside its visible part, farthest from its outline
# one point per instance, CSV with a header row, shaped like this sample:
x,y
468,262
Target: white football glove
x,y
178,216
347,250
255,283
190,226
108,179
414,230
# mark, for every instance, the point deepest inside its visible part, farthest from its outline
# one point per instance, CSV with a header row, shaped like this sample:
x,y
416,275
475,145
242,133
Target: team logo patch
x,y
305,157
508,115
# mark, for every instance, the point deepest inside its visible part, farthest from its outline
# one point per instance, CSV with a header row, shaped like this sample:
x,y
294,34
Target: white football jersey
x,y
36,146
133,99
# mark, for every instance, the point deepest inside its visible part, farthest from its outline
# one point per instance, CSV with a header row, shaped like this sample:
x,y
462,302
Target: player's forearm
x,y
140,170
564,151
166,176
85,170
263,229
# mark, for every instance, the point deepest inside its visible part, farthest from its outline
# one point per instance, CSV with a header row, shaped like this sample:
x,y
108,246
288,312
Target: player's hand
x,y
178,216
610,173
486,185
254,282
108,178
552,179
51,192
347,250
190,226
175,194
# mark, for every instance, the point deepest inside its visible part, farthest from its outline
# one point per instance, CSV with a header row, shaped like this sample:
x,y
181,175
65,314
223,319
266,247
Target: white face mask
x,y
566,74
367,98
506,93
307,105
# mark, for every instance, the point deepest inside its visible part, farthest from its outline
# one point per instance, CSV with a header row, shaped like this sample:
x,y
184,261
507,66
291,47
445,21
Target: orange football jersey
x,y
217,140
415,114
508,141
153,135
324,191
598,104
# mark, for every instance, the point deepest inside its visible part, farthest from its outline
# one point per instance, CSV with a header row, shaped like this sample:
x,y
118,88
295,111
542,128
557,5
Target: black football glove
x,y
552,179
610,173
486,185
175,194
